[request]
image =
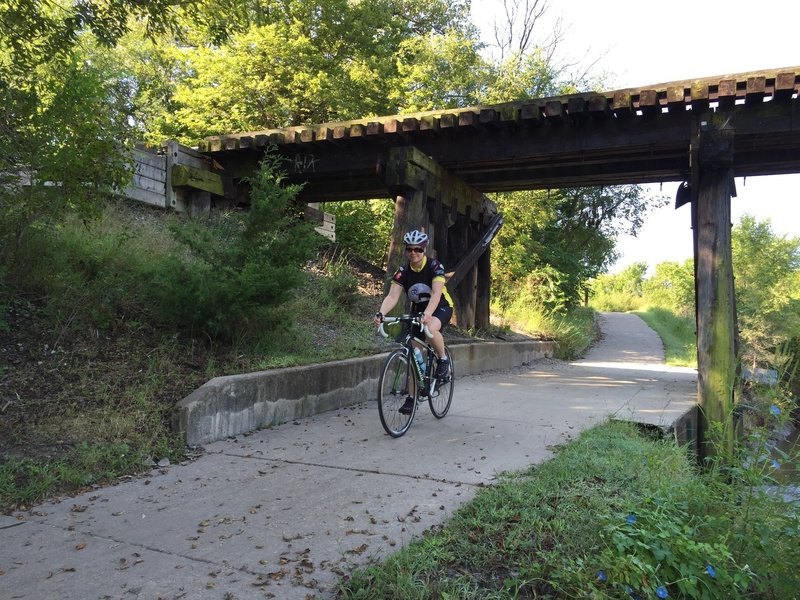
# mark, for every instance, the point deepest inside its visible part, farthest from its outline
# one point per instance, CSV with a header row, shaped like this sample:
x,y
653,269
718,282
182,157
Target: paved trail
x,y
282,512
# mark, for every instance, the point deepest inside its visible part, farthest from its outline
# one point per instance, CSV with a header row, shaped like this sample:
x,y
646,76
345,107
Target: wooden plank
x,y
183,155
648,103
374,128
715,302
784,86
341,132
598,106
186,176
468,119
153,172
726,93
699,99
470,257
429,124
410,124
448,121
576,109
151,185
391,126
554,112
358,130
489,117
530,114
150,159
622,104
145,196
306,135
755,87
676,99
509,114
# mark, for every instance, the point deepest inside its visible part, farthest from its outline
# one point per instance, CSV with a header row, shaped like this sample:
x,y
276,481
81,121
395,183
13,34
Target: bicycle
x,y
402,377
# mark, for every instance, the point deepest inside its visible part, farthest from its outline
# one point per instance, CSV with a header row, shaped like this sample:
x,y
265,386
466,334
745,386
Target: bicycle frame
x,y
401,377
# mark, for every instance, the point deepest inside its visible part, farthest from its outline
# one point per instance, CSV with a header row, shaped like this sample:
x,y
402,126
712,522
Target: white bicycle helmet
x,y
416,238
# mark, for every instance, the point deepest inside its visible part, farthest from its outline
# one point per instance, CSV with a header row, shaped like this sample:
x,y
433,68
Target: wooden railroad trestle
x,y
438,164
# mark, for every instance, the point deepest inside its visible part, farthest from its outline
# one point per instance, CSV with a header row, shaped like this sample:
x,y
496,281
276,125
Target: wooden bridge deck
x,y
638,135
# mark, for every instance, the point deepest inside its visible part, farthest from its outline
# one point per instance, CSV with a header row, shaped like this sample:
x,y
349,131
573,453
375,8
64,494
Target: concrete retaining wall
x,y
227,406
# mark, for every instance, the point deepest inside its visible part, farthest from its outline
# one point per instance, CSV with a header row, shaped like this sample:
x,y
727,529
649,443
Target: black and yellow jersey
x,y
417,283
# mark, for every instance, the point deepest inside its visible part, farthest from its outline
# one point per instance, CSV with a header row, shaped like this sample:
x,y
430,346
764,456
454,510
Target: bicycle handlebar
x,y
413,319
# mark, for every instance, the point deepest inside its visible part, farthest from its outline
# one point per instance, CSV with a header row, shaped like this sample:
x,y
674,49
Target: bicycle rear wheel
x,y
442,393
396,384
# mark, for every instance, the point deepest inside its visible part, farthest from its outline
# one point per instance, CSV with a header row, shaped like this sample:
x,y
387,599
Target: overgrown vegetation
x,y
616,514
767,283
113,321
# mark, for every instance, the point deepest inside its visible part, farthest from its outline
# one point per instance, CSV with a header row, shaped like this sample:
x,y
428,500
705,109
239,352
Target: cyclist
x,y
423,281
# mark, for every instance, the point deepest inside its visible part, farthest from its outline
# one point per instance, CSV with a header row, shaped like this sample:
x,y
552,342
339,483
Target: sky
x,y
639,44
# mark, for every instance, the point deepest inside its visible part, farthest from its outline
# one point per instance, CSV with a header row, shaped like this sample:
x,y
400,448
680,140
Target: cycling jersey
x,y
417,283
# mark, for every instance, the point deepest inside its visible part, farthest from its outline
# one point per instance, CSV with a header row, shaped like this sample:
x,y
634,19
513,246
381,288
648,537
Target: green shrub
x,y
239,271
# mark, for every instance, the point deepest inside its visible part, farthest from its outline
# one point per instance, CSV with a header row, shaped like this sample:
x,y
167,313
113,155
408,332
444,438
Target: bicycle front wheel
x,y
395,386
442,393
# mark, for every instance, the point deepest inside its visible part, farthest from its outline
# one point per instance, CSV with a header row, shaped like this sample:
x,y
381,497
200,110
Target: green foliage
x,y
562,238
302,62
618,293
613,514
677,333
767,272
364,228
25,481
64,148
661,545
672,287
239,273
574,330
440,71
51,29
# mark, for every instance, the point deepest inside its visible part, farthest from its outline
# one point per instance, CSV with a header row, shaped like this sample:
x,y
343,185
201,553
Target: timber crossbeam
x,y
633,135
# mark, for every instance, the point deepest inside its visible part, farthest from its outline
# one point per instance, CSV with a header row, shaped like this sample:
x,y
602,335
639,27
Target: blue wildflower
x,y
776,464
631,519
775,410
661,592
710,570
601,575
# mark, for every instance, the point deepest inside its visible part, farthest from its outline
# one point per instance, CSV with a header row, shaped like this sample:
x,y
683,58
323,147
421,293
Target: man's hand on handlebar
x,y
378,318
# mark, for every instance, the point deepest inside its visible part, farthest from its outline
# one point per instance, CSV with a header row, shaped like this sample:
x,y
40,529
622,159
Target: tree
x,y
767,283
672,287
63,145
619,292
278,64
572,231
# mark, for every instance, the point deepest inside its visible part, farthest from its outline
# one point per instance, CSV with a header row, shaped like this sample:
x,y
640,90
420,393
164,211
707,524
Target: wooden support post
x,y
410,212
483,292
716,319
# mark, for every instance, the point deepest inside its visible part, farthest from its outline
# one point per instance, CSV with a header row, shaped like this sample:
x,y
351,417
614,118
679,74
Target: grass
x,y
677,334
616,514
574,330
88,368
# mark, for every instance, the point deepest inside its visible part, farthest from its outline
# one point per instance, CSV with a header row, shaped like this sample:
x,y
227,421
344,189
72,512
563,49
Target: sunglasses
x,y
412,249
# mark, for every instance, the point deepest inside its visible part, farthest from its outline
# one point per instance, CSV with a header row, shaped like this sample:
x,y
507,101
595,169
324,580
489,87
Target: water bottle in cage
x,y
420,360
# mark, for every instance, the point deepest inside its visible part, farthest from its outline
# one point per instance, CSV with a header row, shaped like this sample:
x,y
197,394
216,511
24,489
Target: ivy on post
x,y
716,305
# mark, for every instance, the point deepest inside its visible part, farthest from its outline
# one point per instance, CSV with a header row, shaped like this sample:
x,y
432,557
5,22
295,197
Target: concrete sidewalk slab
x,y
283,512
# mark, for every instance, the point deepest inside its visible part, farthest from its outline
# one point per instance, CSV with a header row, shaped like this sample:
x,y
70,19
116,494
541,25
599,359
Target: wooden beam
x,y
199,179
472,254
716,312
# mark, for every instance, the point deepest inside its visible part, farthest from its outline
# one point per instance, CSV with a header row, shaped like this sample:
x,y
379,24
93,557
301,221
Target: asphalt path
x,y
285,511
